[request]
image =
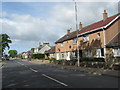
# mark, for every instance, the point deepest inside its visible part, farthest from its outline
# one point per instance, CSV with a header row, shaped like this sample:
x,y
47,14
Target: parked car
x,y
5,57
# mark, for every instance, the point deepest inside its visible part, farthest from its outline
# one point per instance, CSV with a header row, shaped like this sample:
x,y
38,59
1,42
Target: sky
x,y
28,23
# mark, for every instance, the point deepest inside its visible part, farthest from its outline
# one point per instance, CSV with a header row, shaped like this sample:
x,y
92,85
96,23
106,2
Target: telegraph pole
x,y
78,57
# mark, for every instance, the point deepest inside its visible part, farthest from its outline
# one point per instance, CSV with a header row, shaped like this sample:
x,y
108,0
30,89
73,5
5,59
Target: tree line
x,y
4,44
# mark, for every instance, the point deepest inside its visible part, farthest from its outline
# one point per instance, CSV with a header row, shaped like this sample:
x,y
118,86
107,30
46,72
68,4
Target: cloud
x,y
60,0
26,27
87,12
29,28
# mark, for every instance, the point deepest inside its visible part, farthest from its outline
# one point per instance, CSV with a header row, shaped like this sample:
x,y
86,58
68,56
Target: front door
x,y
58,56
68,55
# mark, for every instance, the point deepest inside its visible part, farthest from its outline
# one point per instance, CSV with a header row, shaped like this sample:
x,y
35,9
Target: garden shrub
x,y
89,59
51,59
38,56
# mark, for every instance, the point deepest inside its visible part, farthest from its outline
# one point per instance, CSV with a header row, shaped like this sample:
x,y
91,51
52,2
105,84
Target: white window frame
x,y
88,53
75,41
62,55
62,44
98,35
116,52
85,38
100,53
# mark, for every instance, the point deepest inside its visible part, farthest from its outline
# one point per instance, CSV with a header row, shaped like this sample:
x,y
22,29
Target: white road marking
x,y
11,85
33,70
27,67
19,63
54,80
1,67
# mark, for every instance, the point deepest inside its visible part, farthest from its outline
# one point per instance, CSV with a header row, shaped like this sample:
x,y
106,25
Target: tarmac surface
x,y
23,74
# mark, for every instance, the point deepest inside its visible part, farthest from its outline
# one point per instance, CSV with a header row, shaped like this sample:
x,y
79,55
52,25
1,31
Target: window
x,y
75,41
88,53
69,46
62,44
100,52
98,34
116,52
85,38
62,55
74,53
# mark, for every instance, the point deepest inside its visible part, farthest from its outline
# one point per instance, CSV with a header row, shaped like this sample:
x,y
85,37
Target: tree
x,y
32,50
12,53
4,42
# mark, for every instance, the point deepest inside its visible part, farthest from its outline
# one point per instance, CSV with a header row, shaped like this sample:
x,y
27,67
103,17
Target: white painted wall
x,y
45,48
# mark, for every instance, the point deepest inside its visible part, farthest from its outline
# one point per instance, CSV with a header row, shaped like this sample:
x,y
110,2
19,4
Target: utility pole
x,y
78,57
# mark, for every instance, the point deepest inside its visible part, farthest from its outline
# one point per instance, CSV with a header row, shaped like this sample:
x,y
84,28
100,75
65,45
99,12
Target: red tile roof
x,y
88,28
67,37
99,24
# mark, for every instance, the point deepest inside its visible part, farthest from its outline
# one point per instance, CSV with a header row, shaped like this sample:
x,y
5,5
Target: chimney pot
x,y
80,26
105,16
46,44
68,31
104,11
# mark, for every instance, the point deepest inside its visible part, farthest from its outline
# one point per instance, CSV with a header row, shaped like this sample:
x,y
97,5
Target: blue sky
x,y
33,8
29,22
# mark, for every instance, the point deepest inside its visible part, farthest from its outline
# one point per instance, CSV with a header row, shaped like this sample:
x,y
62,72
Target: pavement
x,y
97,71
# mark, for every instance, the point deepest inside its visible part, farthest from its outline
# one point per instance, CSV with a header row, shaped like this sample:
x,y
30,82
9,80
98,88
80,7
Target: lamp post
x,y
78,57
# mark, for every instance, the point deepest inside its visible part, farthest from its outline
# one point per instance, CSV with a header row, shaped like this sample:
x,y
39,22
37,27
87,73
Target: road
x,y
22,74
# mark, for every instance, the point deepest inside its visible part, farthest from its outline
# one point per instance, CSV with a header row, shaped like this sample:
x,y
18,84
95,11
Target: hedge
x,y
38,56
88,59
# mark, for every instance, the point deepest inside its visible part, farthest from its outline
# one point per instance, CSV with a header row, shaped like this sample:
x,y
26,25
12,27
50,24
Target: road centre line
x,y
55,80
45,75
33,70
19,63
27,67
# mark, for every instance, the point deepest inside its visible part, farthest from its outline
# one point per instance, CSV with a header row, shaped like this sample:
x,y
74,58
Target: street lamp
x,y
78,57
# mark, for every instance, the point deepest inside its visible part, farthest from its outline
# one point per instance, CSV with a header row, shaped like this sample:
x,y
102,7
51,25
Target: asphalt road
x,y
21,74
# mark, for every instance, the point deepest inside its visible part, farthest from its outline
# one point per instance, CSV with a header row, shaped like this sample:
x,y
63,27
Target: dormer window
x,y
98,35
75,41
85,38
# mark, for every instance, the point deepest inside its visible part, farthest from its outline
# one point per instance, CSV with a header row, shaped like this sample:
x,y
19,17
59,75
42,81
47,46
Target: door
x,y
58,57
68,55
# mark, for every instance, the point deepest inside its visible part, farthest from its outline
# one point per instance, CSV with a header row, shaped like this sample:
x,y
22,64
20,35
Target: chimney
x,y
105,16
68,31
80,26
45,44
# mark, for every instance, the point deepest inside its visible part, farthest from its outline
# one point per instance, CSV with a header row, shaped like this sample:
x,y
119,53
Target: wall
x,y
112,31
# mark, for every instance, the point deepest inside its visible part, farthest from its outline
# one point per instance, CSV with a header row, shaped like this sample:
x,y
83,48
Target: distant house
x,y
50,53
42,48
95,40
24,55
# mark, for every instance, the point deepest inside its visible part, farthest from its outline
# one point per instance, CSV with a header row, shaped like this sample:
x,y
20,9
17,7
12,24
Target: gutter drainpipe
x,y
104,36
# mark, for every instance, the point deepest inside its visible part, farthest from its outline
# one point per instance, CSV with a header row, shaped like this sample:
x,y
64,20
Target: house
x,y
42,48
24,55
95,40
50,53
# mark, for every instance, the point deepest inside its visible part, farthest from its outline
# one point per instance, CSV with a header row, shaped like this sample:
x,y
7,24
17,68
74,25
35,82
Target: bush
x,y
51,59
38,56
20,57
88,59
